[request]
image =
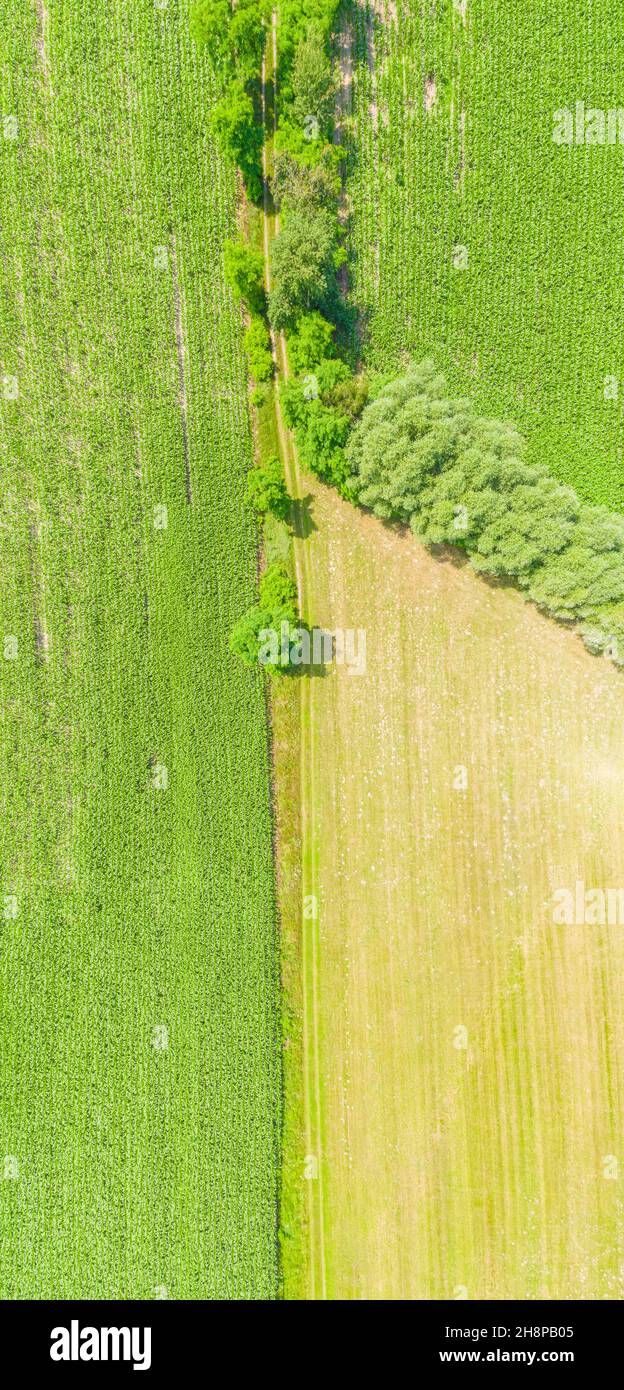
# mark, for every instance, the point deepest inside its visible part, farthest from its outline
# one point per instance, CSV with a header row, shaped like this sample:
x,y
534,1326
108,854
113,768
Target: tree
x,y
589,573
247,38
267,491
240,136
210,25
314,87
258,349
312,342
408,433
303,267
267,633
244,272
427,460
306,173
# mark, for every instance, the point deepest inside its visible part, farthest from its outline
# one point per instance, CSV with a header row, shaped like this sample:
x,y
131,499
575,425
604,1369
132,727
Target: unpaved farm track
x,y
298,488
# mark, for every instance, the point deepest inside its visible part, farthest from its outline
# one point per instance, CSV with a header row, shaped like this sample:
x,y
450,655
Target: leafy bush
x,y
245,639
348,395
306,173
321,442
259,395
312,342
233,35
295,16
247,33
313,82
267,491
209,23
321,384
278,592
258,349
244,271
275,614
321,429
303,267
240,135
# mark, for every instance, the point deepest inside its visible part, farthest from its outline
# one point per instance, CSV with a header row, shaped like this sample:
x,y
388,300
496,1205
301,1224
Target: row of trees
x,y
323,398
419,457
296,19
305,303
234,35
305,185
411,453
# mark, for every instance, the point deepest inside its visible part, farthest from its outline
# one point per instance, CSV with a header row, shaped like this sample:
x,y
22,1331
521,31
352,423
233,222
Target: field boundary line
x,y
305,589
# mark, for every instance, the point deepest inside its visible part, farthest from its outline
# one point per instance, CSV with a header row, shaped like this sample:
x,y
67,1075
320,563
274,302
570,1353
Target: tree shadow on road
x,y
303,523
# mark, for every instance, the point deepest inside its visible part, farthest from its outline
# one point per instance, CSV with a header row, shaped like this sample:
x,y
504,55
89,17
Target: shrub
x,y
259,395
321,429
322,383
258,349
244,272
209,23
349,395
245,636
266,489
306,172
295,18
303,267
233,36
240,136
247,38
312,342
271,622
321,441
313,82
278,592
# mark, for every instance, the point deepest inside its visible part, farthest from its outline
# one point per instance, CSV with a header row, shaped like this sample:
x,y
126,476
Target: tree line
x,y
401,447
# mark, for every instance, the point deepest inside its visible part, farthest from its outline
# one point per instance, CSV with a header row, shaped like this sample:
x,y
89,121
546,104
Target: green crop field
x,y
478,240
139,1074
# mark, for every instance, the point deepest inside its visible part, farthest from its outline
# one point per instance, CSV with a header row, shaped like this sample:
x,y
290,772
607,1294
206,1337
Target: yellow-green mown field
x,y
466,1053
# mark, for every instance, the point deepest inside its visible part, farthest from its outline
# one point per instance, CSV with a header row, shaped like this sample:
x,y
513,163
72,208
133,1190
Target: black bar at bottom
x,y
161,1339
